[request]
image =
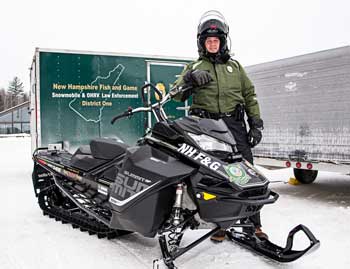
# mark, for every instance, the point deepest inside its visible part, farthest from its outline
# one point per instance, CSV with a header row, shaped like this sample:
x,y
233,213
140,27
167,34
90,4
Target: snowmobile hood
x,y
213,128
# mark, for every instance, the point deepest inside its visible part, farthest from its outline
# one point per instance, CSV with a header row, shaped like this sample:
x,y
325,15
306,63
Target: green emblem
x,y
237,174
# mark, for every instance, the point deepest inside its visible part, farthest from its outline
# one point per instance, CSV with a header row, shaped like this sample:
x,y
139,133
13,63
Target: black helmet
x,y
212,23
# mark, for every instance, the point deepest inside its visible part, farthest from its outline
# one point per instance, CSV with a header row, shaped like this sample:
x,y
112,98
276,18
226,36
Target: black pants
x,y
239,132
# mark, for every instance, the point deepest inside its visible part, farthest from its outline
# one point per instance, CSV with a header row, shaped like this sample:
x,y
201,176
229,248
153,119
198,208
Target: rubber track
x,y
74,216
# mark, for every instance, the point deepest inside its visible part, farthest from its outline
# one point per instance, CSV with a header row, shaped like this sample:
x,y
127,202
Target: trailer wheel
x,y
305,176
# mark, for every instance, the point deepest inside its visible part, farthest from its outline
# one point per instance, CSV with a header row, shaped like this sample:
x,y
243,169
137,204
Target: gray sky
x,y
261,31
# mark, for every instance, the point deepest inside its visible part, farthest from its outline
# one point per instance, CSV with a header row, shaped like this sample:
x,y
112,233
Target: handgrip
x,y
125,114
176,90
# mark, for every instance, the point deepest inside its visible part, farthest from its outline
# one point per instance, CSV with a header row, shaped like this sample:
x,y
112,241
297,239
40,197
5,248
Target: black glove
x,y
254,135
197,78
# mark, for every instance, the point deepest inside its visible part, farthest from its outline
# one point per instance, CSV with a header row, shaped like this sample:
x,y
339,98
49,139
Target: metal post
x,y
12,127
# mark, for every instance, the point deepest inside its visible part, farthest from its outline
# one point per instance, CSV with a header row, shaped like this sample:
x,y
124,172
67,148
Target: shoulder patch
x,y
235,63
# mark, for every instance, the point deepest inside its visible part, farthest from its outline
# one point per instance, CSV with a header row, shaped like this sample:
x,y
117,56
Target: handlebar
x,y
147,108
160,94
176,90
127,113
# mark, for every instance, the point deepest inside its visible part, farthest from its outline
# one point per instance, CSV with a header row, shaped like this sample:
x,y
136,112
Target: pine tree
x,y
15,91
2,99
25,97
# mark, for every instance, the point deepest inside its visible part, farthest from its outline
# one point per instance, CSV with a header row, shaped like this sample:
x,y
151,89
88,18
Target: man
x,y
222,90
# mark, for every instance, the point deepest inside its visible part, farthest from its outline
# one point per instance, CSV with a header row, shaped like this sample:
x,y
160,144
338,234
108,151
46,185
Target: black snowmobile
x,y
110,189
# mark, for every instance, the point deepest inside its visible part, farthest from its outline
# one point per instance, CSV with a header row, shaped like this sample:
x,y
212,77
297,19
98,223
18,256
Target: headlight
x,y
209,143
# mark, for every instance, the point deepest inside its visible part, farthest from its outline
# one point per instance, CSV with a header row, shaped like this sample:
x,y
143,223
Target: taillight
x,y
41,162
309,166
288,164
298,164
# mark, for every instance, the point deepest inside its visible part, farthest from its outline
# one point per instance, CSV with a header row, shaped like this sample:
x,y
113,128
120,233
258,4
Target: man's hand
x,y
254,135
197,78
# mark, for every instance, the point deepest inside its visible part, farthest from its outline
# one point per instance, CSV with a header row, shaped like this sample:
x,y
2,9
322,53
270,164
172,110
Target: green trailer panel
x,y
77,94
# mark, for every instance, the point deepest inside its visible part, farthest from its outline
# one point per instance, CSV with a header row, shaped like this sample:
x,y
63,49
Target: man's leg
x,y
239,132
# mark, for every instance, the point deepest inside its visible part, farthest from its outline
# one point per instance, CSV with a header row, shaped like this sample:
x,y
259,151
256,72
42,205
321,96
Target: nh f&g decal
x,y
198,156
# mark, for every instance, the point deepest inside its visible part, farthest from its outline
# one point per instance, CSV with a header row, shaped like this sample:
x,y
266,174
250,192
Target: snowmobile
x,y
110,189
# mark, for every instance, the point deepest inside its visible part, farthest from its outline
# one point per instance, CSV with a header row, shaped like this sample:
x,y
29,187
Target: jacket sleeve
x,y
180,82
249,95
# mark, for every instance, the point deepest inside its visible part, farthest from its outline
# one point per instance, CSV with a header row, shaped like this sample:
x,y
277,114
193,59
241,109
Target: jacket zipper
x,y
217,81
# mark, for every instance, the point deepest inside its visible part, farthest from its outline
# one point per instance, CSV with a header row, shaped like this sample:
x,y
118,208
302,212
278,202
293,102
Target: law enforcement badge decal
x,y
237,174
161,87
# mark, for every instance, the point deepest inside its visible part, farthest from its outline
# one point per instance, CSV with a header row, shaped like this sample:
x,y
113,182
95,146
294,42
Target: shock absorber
x,y
176,232
178,204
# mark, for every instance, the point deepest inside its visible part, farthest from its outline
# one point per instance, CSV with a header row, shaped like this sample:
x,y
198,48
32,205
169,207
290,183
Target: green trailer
x,y
75,94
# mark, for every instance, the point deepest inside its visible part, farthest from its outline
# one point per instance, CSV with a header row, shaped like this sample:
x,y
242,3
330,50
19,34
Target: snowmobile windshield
x,y
209,127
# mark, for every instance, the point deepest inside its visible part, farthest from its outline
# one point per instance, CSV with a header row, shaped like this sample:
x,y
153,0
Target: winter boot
x,y
260,234
219,236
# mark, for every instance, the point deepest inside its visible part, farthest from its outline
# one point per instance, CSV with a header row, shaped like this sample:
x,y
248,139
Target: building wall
x,y
15,120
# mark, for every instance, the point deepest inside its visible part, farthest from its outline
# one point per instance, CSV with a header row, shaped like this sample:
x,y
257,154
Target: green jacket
x,y
230,86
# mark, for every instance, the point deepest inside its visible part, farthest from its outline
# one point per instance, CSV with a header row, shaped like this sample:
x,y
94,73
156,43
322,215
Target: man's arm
x,y
181,97
256,124
194,78
249,95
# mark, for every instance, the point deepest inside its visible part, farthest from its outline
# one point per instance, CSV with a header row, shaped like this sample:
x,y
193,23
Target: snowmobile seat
x,y
85,162
99,151
83,150
107,149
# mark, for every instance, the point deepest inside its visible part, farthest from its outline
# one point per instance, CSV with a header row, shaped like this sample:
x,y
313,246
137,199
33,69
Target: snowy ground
x,y
30,240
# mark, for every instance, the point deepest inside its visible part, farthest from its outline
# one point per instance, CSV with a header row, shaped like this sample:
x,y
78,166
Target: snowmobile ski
x,y
271,250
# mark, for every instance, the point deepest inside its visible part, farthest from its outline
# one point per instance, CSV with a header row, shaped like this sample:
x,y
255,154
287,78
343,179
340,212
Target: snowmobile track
x,y
66,212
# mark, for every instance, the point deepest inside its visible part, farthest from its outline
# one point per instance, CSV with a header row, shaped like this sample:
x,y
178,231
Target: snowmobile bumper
x,y
224,211
273,251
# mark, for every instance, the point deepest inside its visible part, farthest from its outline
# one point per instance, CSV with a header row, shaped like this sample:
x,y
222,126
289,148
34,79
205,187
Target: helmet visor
x,y
212,16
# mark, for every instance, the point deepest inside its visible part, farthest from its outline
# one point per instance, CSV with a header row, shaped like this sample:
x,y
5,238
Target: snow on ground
x,y
30,240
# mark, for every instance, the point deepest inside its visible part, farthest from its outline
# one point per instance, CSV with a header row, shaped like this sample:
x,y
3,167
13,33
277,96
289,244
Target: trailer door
x,y
163,74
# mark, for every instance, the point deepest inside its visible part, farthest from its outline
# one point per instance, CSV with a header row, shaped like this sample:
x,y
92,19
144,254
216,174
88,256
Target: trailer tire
x,y
305,176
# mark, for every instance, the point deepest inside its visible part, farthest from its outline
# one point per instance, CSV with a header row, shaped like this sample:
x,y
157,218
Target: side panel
x,y
80,94
144,189
305,105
